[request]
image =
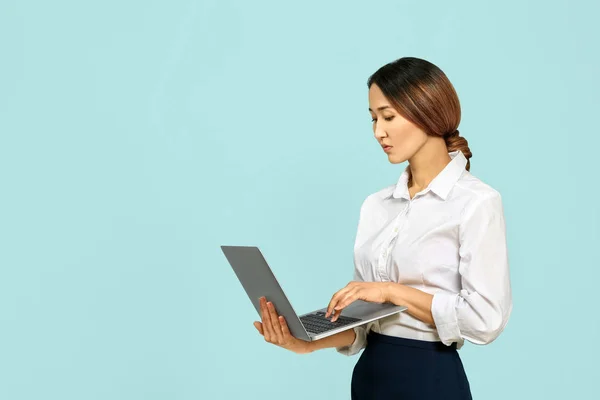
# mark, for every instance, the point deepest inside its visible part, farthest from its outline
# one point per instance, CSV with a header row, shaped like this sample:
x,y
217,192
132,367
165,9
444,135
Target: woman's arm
x,y
342,339
480,311
417,302
418,305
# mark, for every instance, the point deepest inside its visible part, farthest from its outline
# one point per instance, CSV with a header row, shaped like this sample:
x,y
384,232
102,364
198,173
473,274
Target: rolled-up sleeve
x,y
480,311
359,343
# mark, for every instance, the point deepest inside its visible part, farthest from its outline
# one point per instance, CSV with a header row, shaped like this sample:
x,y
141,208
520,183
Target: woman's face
x,y
391,129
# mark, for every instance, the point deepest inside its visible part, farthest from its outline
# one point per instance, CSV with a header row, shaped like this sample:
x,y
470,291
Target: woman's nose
x,y
379,133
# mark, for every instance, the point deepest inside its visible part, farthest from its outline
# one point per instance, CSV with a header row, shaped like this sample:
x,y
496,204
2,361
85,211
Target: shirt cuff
x,y
443,309
359,342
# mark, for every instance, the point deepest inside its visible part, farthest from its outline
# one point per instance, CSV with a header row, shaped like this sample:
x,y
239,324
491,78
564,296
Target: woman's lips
x,y
387,148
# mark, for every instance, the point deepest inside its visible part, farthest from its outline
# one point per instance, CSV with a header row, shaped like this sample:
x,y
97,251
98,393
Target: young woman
x,y
435,242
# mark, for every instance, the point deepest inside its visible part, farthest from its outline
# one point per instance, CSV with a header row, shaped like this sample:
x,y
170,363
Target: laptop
x,y
258,280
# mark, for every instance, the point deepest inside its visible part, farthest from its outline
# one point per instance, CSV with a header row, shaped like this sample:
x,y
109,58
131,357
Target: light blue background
x,y
137,137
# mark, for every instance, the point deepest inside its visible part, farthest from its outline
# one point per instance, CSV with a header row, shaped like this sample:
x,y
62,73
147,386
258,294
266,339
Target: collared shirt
x,y
449,240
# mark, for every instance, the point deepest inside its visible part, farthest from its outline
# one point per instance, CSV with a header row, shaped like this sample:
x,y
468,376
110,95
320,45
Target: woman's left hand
x,y
376,292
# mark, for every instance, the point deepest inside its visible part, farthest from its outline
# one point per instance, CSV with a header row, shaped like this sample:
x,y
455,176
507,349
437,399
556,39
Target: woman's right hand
x,y
274,329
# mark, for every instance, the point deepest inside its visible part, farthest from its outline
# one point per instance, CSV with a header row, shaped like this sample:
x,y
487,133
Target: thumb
x,y
258,327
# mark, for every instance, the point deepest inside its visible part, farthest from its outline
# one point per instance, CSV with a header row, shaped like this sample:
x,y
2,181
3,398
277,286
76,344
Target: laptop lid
x,y
258,280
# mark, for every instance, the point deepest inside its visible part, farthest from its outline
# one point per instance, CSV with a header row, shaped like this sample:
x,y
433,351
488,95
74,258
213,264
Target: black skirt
x,y
407,369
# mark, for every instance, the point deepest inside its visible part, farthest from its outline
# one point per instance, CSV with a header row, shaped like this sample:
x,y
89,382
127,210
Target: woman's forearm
x,y
345,338
418,303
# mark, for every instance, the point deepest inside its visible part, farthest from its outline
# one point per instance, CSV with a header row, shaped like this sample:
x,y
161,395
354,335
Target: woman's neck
x,y
427,163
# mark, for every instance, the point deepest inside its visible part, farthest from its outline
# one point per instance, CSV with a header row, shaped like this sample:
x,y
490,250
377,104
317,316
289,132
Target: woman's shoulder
x,y
473,194
470,185
381,194
376,200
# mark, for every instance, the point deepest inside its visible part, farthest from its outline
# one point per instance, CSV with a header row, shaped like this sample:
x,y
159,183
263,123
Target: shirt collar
x,y
441,184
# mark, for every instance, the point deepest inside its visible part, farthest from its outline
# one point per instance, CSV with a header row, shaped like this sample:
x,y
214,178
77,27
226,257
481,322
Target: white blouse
x,y
449,240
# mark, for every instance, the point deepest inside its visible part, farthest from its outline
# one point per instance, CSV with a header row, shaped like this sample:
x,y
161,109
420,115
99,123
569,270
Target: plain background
x,y
138,136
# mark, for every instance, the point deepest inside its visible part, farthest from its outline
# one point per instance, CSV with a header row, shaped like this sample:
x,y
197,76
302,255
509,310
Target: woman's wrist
x,y
394,293
342,339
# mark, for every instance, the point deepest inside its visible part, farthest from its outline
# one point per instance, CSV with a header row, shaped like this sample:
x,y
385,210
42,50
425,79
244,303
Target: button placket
x,y
389,243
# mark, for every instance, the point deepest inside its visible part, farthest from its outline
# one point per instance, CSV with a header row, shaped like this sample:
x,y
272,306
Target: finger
x,y
266,320
351,287
334,300
338,296
276,325
285,330
350,296
344,302
258,327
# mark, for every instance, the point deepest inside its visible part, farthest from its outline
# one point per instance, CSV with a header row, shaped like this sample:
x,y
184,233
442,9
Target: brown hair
x,y
423,94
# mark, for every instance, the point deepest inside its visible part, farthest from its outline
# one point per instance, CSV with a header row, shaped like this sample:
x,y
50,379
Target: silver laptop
x,y
258,280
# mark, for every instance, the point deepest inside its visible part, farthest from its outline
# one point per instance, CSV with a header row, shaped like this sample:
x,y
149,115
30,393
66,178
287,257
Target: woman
x,y
435,242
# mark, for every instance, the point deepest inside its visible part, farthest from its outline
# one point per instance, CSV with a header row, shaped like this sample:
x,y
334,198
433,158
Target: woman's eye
x,y
387,119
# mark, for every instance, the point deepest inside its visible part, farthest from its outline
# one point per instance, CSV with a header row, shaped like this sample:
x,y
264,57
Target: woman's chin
x,y
395,159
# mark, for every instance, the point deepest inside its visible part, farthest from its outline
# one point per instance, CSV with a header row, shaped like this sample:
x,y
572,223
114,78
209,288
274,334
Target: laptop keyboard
x,y
317,323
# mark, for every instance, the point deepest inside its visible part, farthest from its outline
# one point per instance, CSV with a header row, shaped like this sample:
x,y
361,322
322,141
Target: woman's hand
x,y
275,330
376,292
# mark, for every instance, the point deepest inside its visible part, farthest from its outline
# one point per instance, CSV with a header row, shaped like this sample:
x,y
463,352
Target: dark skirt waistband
x,y
374,337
